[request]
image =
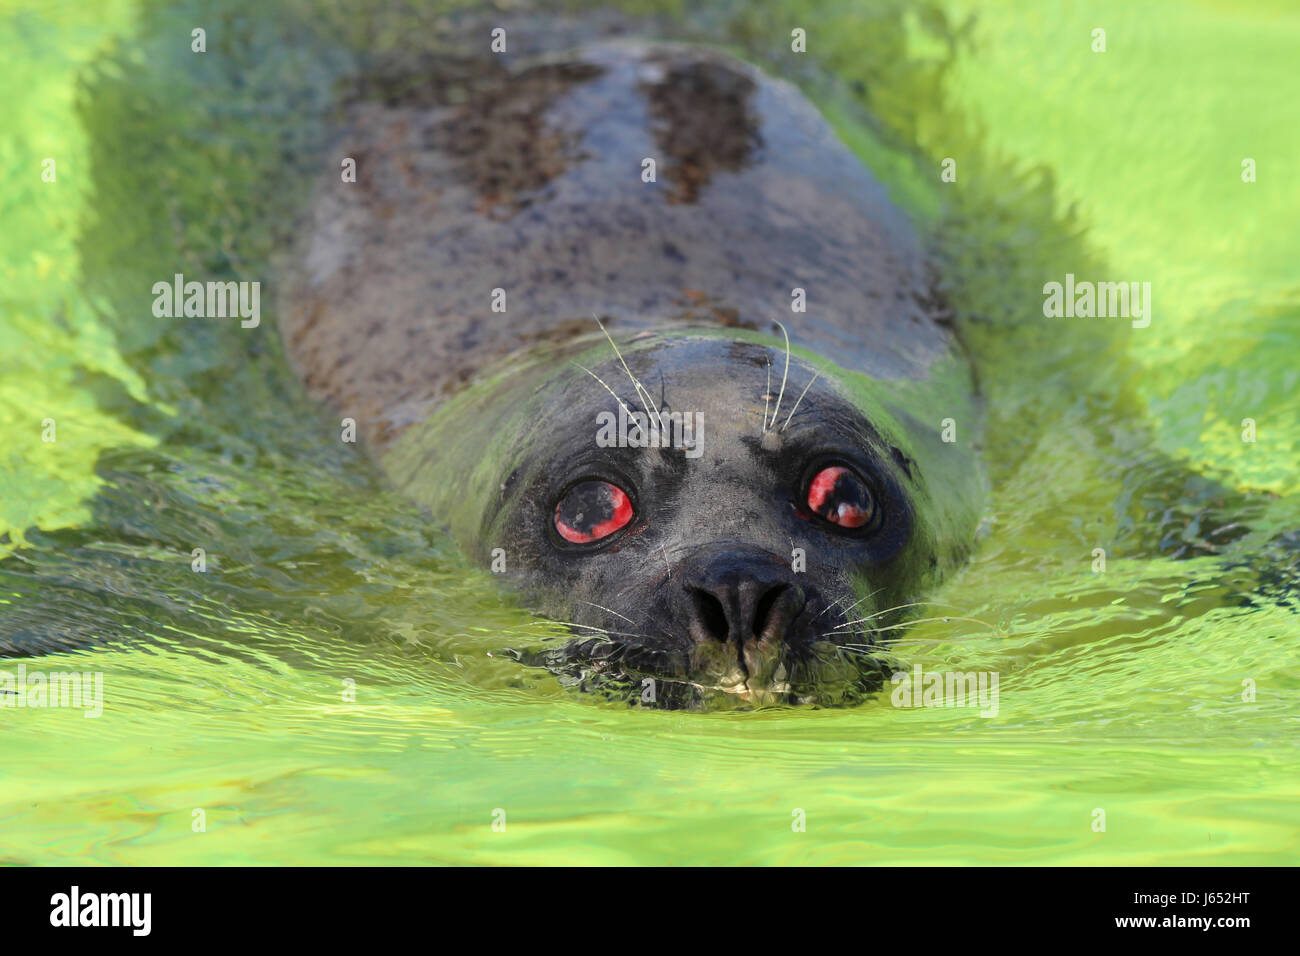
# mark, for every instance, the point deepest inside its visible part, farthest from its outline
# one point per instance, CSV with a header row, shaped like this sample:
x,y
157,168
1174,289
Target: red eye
x,y
841,497
592,510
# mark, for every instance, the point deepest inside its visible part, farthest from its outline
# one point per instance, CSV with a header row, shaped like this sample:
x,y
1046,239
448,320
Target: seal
x,y
652,343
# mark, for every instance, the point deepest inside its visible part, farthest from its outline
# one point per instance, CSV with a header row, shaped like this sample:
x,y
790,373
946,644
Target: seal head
x,y
701,527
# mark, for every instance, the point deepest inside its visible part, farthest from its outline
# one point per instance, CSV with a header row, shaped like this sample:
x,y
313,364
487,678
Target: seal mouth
x,y
762,673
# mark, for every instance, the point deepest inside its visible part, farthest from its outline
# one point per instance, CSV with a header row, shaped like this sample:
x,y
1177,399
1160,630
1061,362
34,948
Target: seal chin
x,y
825,673
754,672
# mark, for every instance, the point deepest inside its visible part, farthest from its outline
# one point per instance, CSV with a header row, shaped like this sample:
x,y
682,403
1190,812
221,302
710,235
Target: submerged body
x,y
796,497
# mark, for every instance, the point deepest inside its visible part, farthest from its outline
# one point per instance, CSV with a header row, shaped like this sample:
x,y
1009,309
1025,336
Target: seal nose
x,y
742,600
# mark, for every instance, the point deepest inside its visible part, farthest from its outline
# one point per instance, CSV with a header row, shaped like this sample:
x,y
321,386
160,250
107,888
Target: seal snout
x,y
742,611
733,607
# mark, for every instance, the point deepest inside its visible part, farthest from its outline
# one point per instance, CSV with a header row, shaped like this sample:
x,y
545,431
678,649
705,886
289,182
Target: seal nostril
x,y
764,609
710,613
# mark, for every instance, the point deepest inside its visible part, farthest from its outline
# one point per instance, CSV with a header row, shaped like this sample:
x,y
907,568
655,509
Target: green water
x,y
230,691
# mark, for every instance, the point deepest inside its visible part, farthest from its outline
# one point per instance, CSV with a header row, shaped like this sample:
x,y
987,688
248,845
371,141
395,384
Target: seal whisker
x,y
798,400
784,375
641,393
836,602
607,633
606,387
848,610
925,620
590,627
919,642
607,610
767,394
899,607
